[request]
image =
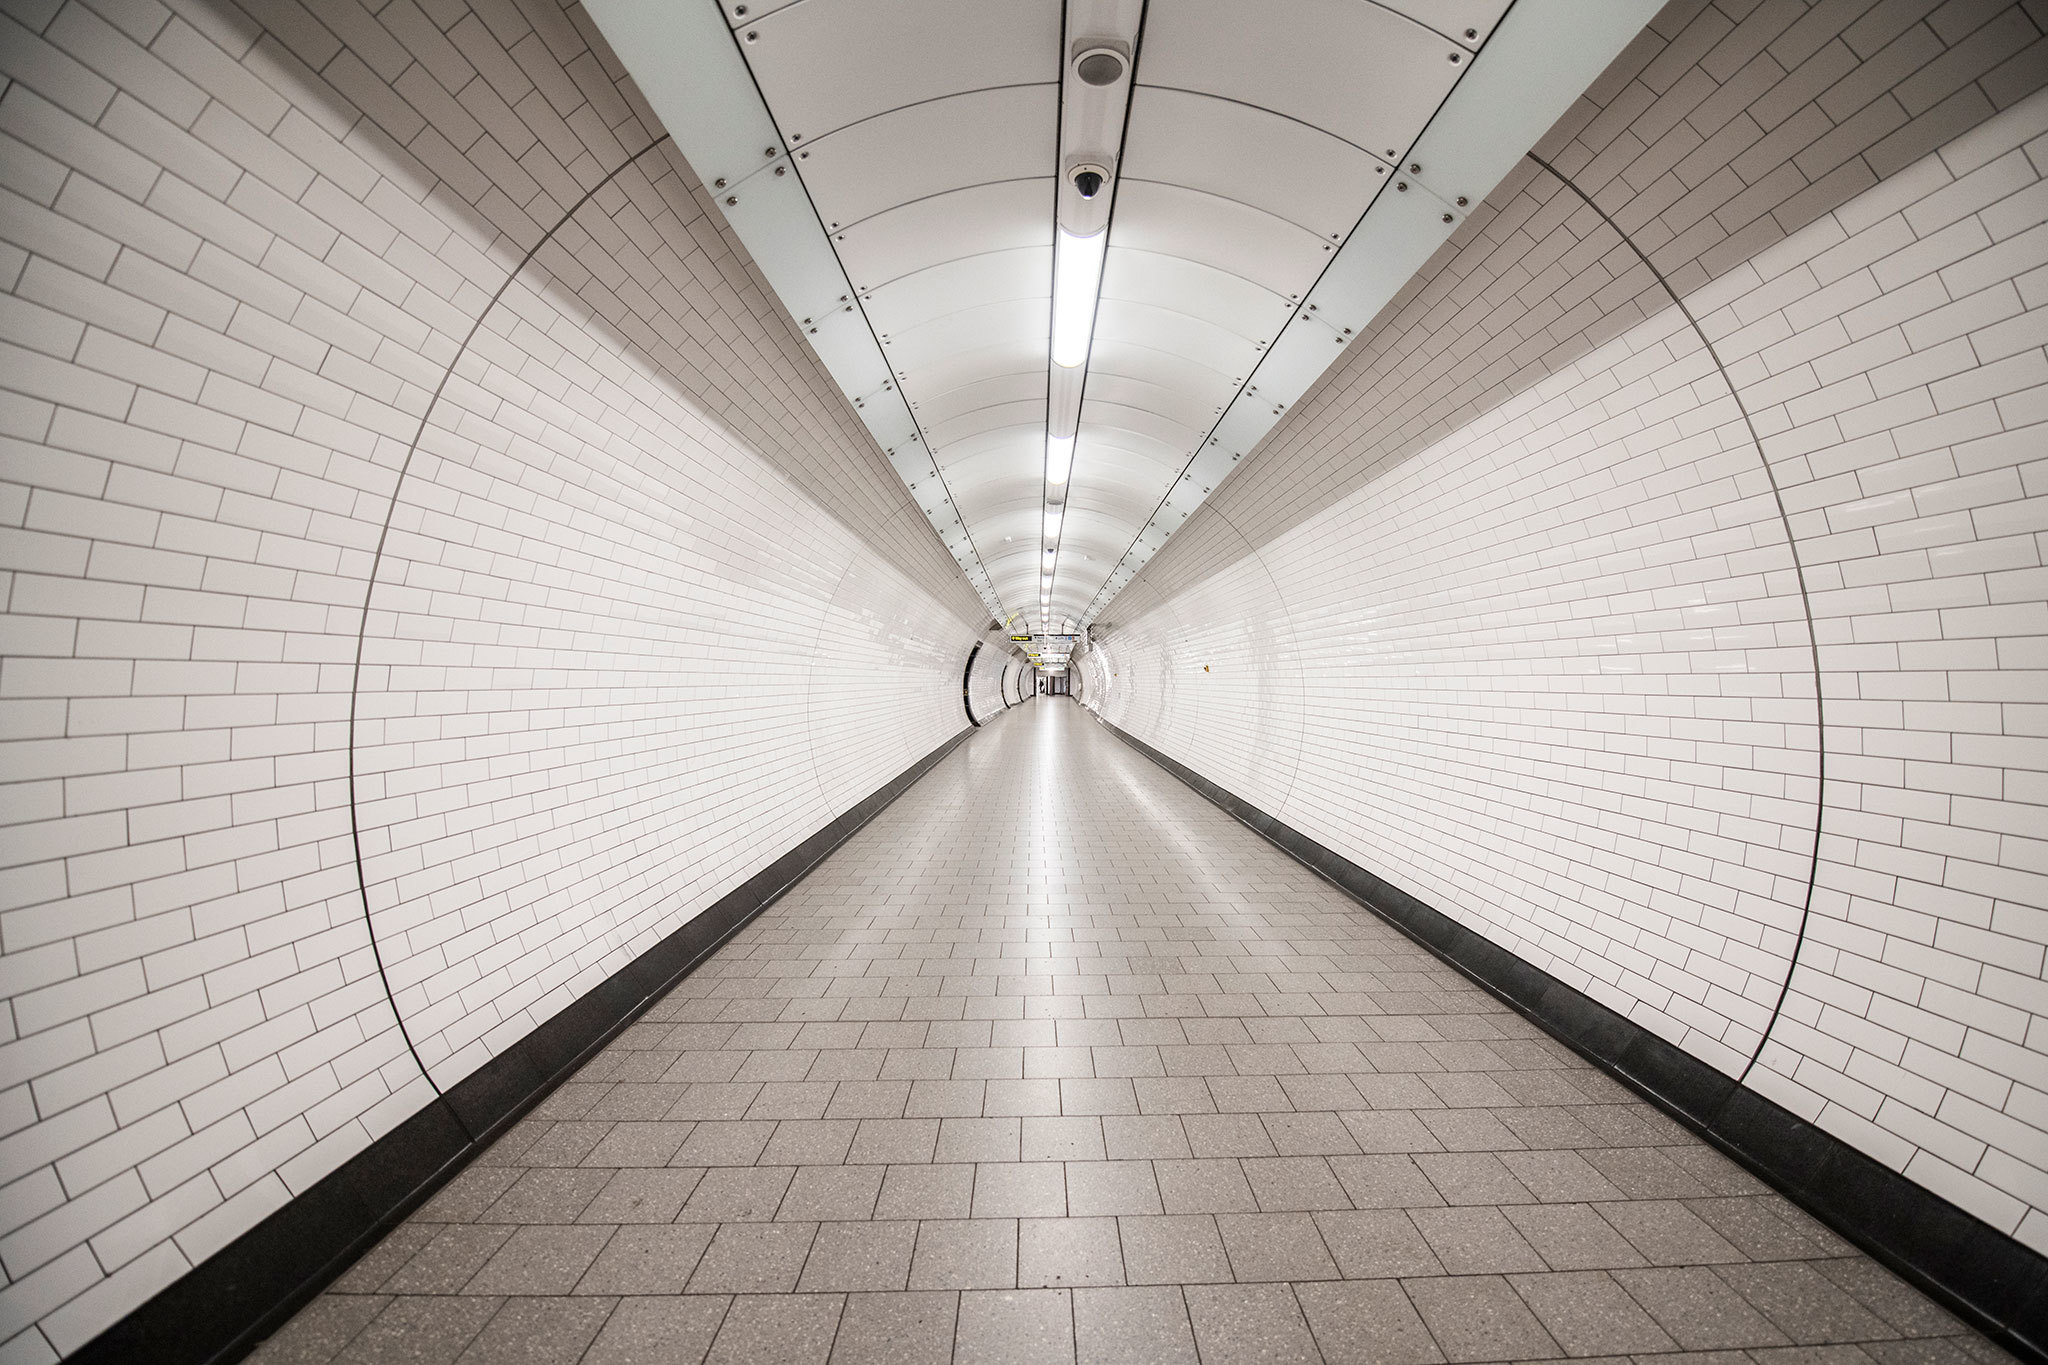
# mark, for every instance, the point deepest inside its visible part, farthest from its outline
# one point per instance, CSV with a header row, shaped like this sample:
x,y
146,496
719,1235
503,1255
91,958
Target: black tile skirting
x,y
226,1305
1992,1281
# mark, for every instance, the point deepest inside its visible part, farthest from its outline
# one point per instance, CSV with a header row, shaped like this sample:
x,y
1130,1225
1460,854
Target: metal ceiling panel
x,y
943,373
965,330
1315,180
1171,333
919,235
975,138
822,66
1206,383
1023,414
1015,273
1465,22
1023,386
738,12
1227,299
1222,233
1178,405
1307,59
1138,424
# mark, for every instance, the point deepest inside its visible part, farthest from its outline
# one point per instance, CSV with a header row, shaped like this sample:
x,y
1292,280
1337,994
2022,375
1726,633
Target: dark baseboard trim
x,y
224,1307
1992,1281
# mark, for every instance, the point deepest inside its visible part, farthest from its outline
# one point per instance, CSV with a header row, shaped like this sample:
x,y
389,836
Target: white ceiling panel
x,y
1467,22
1176,334
944,373
926,149
906,302
1025,386
1184,407
969,329
825,64
969,222
1221,233
739,12
1223,297
1021,414
1114,356
1315,180
1309,60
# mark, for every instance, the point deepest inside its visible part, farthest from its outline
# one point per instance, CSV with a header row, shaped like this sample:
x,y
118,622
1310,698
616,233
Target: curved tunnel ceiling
x,y
1260,145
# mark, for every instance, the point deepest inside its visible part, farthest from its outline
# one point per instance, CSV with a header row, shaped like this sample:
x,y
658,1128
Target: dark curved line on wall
x,y
355,822
967,685
1805,602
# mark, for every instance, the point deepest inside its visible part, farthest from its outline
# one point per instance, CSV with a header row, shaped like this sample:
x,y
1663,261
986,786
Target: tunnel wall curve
x,y
1523,608
985,698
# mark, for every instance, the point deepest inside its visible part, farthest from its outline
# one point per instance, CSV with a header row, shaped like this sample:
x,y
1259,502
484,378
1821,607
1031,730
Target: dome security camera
x,y
1088,180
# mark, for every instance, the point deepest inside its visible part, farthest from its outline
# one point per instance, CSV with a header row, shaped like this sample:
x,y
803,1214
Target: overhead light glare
x,y
1059,458
1076,280
1052,522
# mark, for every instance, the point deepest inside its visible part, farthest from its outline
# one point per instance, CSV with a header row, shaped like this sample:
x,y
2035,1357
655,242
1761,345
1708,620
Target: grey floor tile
x,y
1590,1315
420,1331
1111,1187
789,1329
1475,1241
914,1328
831,1193
926,1192
640,1196
753,1258
1699,1309
1031,1189
859,1256
539,1331
1133,1326
321,1331
1376,1243
1275,1246
1573,1237
1804,1304
1367,1322
1015,1327
1479,1317
540,1260
647,1259
1173,1249
449,1261
979,1253
1203,1185
1065,1252
1250,1324
666,1329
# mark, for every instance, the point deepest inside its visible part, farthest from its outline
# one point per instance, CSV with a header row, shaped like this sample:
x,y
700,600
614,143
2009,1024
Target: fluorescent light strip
x,y
1076,280
1059,458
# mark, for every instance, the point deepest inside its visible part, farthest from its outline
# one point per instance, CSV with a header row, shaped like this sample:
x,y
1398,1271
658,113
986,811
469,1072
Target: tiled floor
x,y
1055,1060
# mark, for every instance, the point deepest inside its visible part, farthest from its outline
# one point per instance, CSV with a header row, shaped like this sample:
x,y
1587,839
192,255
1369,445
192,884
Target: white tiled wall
x,y
1507,611
650,610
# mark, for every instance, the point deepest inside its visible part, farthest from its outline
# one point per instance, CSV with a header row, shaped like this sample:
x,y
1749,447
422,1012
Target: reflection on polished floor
x,y
1052,1061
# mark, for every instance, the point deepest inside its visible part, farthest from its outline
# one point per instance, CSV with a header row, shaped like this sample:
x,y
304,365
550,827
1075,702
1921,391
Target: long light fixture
x,y
1059,459
1076,283
1095,92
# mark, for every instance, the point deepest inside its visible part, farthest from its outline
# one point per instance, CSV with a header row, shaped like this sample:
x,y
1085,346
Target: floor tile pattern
x,y
1055,1062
